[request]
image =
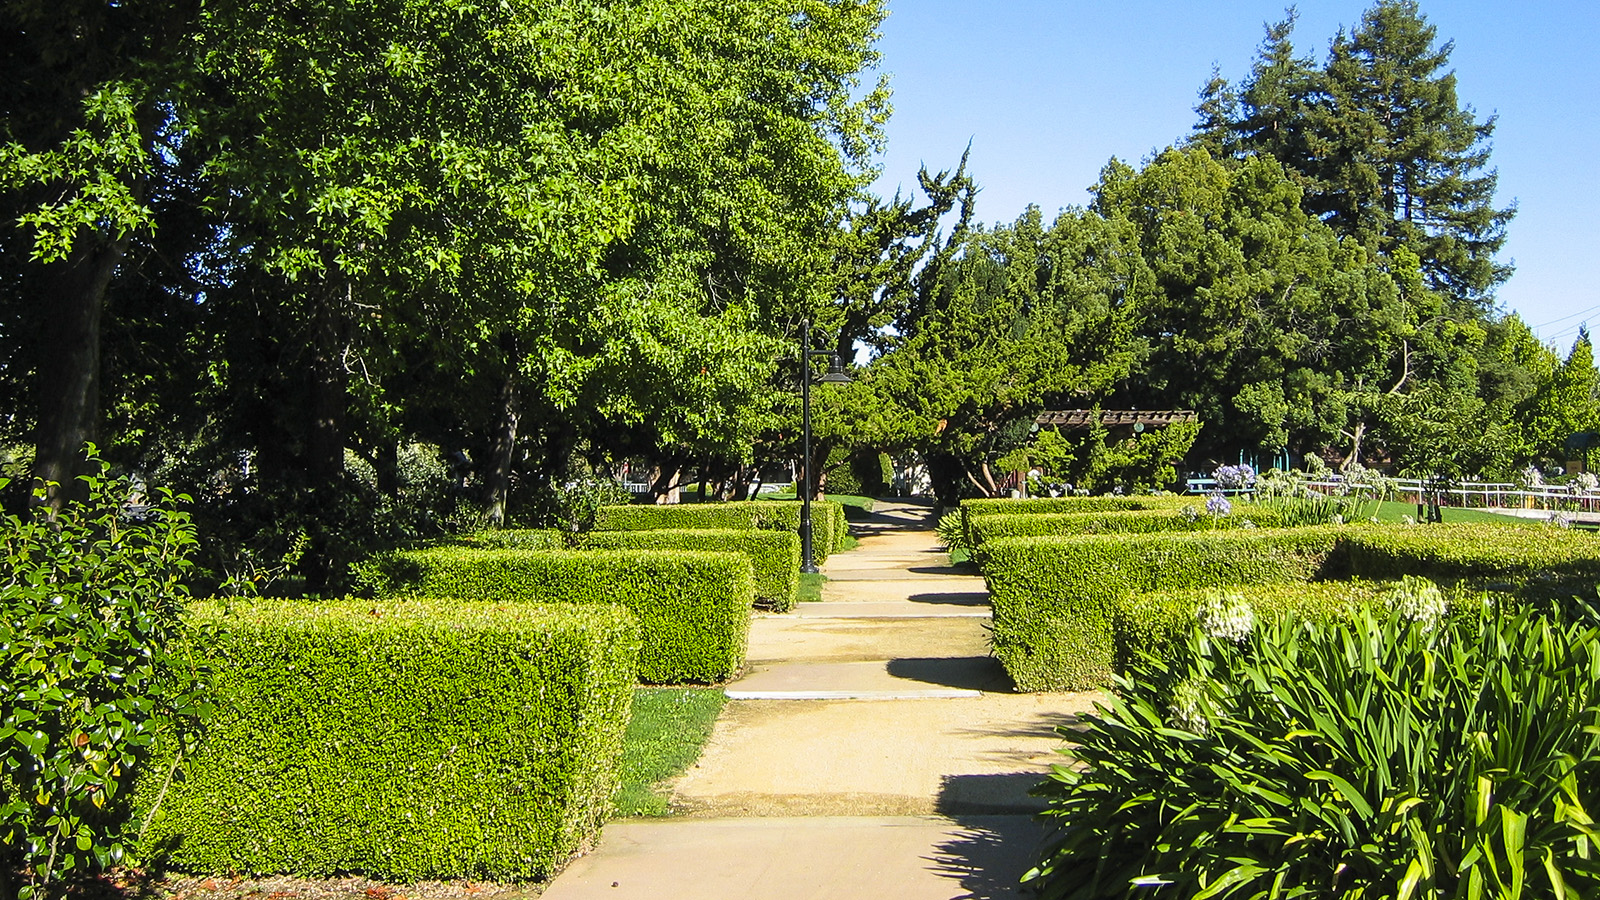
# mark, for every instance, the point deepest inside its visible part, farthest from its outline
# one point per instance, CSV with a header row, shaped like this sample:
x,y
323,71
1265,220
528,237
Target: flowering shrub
x,y
1218,505
1235,478
1227,616
1379,757
1530,478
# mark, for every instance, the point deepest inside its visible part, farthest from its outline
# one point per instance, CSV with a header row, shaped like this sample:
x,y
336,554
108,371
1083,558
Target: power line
x,y
1564,318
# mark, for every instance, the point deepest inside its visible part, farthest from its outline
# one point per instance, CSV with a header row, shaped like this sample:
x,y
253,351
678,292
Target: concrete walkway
x,y
871,749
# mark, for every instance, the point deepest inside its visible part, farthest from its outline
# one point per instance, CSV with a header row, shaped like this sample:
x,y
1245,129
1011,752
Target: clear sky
x,y
1047,92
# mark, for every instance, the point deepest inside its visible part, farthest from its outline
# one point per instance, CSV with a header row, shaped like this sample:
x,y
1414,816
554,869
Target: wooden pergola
x,y
1111,418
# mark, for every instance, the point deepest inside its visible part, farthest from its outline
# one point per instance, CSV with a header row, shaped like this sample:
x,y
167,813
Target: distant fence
x,y
1465,494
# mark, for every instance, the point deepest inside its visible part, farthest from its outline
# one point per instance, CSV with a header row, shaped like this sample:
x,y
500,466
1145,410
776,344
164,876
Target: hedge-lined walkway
x,y
873,749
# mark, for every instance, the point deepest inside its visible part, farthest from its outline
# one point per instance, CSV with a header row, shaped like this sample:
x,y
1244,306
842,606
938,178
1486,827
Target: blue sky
x,y
1047,92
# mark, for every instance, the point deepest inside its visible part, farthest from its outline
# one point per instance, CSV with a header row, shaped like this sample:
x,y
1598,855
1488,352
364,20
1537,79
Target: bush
x,y
516,539
827,519
404,740
998,526
693,608
971,509
1159,623
1054,599
1546,567
774,555
1398,757
91,673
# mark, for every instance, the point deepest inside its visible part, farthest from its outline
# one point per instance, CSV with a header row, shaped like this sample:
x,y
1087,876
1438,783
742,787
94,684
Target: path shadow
x,y
969,673
963,569
1039,725
952,598
989,856
990,795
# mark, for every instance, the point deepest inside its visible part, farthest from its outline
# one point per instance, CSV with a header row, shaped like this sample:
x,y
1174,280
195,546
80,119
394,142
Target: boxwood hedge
x,y
1060,602
774,555
827,519
971,509
404,740
1009,525
693,607
1054,598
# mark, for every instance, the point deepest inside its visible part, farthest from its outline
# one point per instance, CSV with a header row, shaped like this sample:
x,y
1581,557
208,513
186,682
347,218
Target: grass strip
x,y
668,729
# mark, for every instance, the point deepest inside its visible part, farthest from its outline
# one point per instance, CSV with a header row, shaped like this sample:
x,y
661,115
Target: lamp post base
x,y
810,570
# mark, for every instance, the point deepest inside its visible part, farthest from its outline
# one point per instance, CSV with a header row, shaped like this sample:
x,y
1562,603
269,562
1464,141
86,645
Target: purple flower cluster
x,y
1235,478
1218,505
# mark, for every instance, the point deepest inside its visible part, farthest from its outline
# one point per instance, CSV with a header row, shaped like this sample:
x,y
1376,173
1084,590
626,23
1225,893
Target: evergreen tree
x,y
1381,143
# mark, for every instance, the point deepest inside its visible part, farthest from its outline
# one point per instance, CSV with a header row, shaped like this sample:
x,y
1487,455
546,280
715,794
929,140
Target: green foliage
x,y
827,519
668,728
1190,518
1159,623
1379,757
581,500
517,539
693,608
1055,598
1389,155
404,740
1550,568
774,555
1034,505
96,663
951,533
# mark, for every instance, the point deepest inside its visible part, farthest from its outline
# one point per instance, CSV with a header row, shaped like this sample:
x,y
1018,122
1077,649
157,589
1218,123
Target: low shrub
x,y
971,509
1159,623
1401,756
1001,525
1547,567
774,555
827,519
1054,599
693,607
516,539
403,740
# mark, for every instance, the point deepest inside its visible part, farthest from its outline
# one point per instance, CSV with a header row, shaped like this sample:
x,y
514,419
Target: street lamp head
x,y
836,373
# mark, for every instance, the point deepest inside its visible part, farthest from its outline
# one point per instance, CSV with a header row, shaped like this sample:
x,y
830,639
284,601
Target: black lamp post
x,y
836,375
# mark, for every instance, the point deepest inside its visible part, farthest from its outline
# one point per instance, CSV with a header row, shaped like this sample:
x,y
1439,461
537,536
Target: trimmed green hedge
x,y
403,740
1054,598
972,509
774,555
1538,564
1057,600
693,607
827,519
1001,525
515,539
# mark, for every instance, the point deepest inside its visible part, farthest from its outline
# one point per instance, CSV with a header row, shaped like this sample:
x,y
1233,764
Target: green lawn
x,y
667,731
863,503
1394,511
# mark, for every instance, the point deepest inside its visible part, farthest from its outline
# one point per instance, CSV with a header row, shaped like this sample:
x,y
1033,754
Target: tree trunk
x,y
497,480
328,394
323,459
663,490
69,367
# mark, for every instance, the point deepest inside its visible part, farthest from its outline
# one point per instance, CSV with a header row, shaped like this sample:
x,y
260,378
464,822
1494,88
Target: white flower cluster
x,y
1586,482
1188,710
1226,616
1561,520
1417,600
